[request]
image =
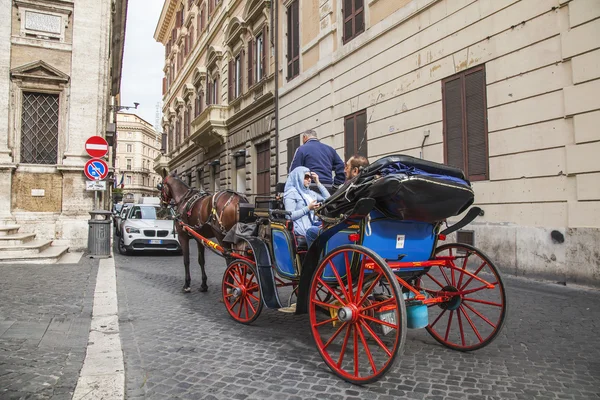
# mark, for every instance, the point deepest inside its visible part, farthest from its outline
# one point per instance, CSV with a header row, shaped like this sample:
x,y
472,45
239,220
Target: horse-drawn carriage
x,y
374,271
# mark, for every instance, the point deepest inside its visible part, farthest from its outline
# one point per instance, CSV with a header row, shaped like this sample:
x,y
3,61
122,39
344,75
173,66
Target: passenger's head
x,y
354,165
299,179
306,135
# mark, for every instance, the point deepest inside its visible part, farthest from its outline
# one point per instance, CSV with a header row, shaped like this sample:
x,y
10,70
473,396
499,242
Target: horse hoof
x,y
204,289
187,290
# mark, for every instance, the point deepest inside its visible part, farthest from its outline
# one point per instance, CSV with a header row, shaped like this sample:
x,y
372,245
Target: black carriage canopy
x,y
406,188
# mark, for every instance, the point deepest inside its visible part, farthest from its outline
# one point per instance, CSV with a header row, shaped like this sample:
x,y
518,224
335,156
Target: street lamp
x,y
119,108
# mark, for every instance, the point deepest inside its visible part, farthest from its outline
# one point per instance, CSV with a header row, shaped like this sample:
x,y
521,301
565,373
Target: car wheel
x,y
121,246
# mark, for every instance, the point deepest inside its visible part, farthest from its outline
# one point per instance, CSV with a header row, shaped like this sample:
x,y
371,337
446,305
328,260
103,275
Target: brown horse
x,y
210,215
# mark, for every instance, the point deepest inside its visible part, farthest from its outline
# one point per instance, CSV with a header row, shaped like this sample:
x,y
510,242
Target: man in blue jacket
x,y
320,158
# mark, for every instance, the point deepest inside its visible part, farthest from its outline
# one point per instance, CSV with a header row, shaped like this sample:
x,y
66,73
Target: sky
x,y
143,60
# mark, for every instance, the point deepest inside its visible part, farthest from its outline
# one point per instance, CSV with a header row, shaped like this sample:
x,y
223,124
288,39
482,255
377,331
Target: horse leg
x,y
201,261
184,240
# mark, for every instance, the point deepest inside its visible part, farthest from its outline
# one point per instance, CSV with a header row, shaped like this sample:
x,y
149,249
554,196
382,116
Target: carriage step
x,y
16,239
51,255
6,230
33,247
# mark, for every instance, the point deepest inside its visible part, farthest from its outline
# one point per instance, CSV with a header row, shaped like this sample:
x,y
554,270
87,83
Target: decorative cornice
x,y
166,16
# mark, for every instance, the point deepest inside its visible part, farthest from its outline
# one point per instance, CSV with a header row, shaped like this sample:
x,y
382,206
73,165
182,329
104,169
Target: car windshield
x,y
124,211
150,212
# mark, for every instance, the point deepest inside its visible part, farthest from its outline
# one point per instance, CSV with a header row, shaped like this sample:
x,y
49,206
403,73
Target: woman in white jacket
x,y
301,201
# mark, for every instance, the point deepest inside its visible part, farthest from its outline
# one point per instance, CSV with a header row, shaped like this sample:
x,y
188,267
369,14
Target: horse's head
x,y
166,194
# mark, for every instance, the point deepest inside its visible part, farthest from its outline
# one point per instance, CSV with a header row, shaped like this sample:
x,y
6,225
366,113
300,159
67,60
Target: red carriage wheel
x,y
241,292
359,325
473,317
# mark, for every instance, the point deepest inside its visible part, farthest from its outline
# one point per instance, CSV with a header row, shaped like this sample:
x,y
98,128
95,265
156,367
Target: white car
x,y
148,227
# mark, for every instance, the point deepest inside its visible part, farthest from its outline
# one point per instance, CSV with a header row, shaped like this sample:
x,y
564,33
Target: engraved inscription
x,y
42,22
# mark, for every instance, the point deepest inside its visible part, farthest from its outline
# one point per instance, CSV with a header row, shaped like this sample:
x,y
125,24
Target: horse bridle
x,y
165,199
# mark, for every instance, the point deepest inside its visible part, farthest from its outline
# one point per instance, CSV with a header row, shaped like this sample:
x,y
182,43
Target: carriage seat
x,y
301,243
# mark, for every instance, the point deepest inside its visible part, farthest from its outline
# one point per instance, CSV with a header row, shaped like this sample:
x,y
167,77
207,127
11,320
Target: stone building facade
x,y
138,146
219,94
505,89
60,68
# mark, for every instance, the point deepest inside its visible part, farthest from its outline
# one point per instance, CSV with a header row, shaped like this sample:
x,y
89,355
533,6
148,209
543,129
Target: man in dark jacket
x,y
319,158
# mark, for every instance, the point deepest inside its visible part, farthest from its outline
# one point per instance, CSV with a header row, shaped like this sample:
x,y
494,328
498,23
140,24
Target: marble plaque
x,y
42,22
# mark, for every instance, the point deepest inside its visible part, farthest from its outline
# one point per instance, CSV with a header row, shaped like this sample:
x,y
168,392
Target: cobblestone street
x,y
45,314
186,346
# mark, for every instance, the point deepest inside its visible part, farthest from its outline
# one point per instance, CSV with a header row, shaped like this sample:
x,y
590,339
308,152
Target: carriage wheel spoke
x,y
232,274
444,272
489,303
369,290
376,338
230,284
326,286
366,346
378,321
380,304
435,280
253,296
332,338
349,277
252,307
474,274
361,279
355,352
438,318
479,315
465,292
460,328
246,308
471,323
449,325
326,305
327,321
462,274
339,280
344,345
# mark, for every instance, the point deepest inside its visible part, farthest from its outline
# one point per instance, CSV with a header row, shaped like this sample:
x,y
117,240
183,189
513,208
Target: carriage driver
x,y
354,165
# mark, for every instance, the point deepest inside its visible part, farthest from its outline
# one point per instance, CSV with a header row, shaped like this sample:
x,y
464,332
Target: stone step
x,y
50,255
33,247
16,239
9,229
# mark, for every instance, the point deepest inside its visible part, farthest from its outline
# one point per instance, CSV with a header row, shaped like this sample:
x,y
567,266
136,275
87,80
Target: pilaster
x,y
5,32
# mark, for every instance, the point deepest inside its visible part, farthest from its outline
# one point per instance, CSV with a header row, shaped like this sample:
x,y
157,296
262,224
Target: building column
x,y
5,34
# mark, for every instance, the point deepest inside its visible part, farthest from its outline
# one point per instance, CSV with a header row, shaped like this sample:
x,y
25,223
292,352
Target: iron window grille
x,y
39,128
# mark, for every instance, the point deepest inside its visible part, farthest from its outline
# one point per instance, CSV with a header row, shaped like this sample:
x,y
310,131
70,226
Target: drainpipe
x,y
275,36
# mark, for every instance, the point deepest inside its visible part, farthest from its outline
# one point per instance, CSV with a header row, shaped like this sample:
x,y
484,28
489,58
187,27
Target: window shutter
x,y
296,66
361,134
164,87
250,64
453,122
349,141
208,97
265,44
230,80
290,56
477,152
216,88
241,80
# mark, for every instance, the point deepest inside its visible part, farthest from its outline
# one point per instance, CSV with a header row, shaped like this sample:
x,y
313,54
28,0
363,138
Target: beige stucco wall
x,y
82,57
542,79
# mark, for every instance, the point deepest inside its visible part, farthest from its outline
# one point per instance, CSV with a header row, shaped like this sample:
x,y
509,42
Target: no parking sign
x,y
96,169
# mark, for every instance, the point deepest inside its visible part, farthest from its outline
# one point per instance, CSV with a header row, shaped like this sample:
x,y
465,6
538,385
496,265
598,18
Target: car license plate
x,y
155,241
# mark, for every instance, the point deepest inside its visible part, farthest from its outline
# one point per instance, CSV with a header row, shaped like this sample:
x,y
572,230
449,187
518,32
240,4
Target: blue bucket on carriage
x,y
417,316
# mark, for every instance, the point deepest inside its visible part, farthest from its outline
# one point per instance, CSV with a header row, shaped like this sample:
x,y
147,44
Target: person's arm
x,y
338,167
290,205
298,159
324,193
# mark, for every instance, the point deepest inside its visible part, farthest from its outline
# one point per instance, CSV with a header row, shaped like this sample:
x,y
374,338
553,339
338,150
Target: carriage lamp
x,y
354,237
132,230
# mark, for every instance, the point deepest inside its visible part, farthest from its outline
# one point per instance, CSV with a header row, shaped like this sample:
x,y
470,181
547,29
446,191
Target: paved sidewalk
x,y
45,315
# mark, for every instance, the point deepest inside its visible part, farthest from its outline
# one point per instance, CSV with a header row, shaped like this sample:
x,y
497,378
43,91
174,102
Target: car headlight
x,y
129,229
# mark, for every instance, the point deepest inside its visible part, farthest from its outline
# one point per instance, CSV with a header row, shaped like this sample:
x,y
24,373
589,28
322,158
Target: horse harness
x,y
213,212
